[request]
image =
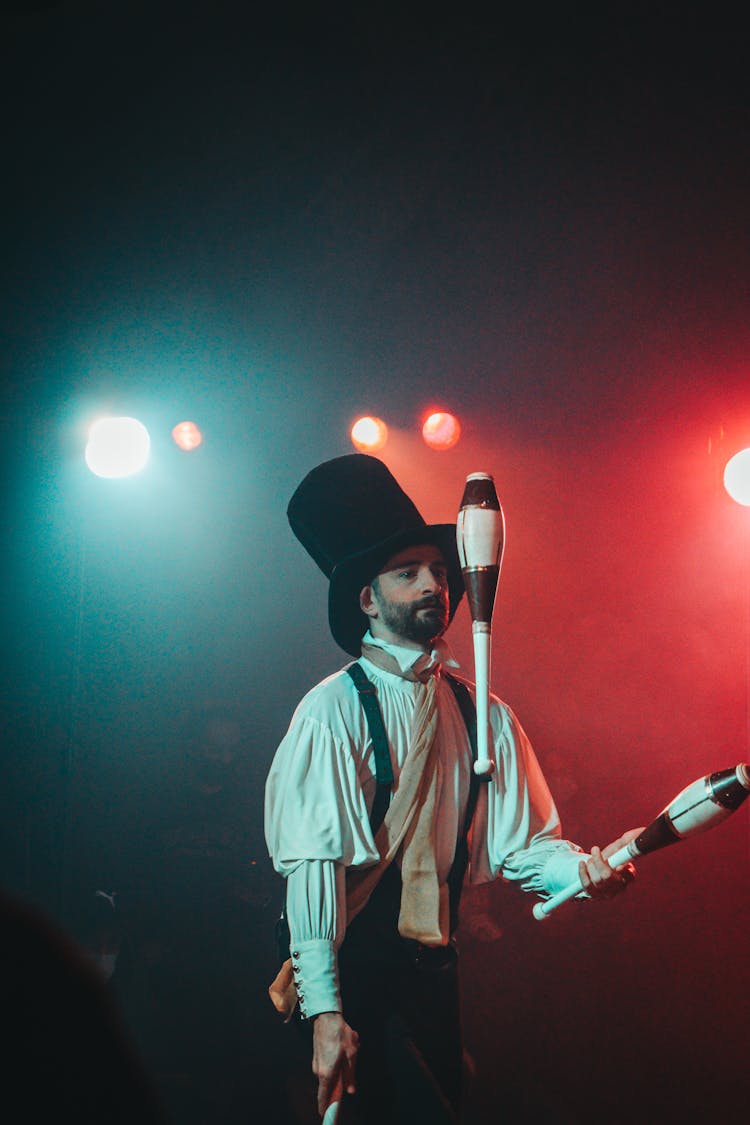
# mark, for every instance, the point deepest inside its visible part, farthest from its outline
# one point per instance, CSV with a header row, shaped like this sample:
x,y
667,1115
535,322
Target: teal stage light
x,y
117,447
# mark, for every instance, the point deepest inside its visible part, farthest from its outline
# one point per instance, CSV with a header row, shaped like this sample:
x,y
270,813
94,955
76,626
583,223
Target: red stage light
x,y
187,436
737,477
369,434
441,430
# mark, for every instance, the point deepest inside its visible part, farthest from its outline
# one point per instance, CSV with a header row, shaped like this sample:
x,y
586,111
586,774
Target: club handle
x,y
482,638
332,1113
542,910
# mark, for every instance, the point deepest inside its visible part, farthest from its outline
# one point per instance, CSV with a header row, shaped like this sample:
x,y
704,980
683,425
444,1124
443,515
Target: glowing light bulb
x,y
737,477
369,434
441,430
117,447
187,436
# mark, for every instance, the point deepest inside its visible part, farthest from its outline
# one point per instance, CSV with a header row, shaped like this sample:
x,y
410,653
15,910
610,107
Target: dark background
x,y
271,222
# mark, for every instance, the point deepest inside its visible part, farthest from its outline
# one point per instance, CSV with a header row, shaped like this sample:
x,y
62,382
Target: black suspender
x,y
469,713
461,858
383,769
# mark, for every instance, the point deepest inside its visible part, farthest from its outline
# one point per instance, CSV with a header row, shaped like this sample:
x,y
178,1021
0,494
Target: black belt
x,y
432,958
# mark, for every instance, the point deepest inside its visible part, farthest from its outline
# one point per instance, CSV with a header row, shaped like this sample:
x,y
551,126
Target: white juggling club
x,y
480,533
700,806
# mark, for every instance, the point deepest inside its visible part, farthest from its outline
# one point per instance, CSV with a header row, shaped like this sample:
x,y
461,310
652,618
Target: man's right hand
x,y
335,1047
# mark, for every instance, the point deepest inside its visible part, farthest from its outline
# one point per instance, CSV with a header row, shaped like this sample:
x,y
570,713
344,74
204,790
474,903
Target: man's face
x,y
408,602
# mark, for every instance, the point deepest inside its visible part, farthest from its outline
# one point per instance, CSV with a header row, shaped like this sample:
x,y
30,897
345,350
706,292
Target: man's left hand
x,y
598,879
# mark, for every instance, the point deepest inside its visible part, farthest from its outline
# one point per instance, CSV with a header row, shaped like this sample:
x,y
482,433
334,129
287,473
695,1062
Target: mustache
x,y
432,602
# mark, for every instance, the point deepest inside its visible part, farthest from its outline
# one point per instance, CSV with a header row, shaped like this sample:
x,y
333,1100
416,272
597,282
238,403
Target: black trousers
x,y
403,1002
409,1067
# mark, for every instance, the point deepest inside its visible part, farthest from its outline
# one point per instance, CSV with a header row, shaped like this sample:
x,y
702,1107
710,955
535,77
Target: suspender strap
x,y
469,714
383,768
461,858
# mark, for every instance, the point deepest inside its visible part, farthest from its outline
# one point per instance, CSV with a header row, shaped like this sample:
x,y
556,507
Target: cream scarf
x,y
407,832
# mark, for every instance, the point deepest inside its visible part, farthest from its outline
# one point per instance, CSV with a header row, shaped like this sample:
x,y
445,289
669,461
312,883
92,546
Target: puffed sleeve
x,y
318,793
516,833
315,806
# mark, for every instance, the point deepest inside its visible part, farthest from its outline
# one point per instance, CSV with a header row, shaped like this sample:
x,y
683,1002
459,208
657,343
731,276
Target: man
x,y
372,897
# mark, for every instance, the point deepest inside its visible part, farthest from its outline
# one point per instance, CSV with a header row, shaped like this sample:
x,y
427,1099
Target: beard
x,y
420,622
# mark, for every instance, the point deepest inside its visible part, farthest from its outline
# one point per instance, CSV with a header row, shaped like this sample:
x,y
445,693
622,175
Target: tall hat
x,y
351,515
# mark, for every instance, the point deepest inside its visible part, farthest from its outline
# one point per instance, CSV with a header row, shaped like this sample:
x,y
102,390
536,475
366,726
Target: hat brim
x,y
347,621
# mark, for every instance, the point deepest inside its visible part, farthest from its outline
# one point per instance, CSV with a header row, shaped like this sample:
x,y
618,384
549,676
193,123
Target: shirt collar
x,y
411,659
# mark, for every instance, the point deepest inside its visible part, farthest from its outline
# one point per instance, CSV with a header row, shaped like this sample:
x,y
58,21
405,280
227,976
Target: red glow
x,y
187,436
369,434
441,430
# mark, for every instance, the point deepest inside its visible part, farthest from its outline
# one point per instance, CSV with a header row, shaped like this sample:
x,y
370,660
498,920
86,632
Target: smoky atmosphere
x,y
271,223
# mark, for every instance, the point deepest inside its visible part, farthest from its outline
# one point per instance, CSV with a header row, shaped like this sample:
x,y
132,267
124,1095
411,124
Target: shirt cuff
x,y
561,871
315,969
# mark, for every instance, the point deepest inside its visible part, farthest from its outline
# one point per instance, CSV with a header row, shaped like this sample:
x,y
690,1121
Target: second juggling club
x,y
480,534
696,808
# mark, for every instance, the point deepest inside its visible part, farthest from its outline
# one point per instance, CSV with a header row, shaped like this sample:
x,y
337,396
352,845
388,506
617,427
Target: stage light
x,y
117,447
187,436
369,434
737,477
441,430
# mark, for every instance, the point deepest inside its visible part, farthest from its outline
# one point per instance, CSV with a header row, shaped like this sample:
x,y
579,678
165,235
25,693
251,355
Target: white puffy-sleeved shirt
x,y
321,787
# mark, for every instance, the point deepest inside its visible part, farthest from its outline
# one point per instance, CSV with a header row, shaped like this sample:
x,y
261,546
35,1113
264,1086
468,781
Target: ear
x,y
366,602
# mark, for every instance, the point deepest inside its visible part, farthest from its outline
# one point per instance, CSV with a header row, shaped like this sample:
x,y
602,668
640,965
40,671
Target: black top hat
x,y
351,515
